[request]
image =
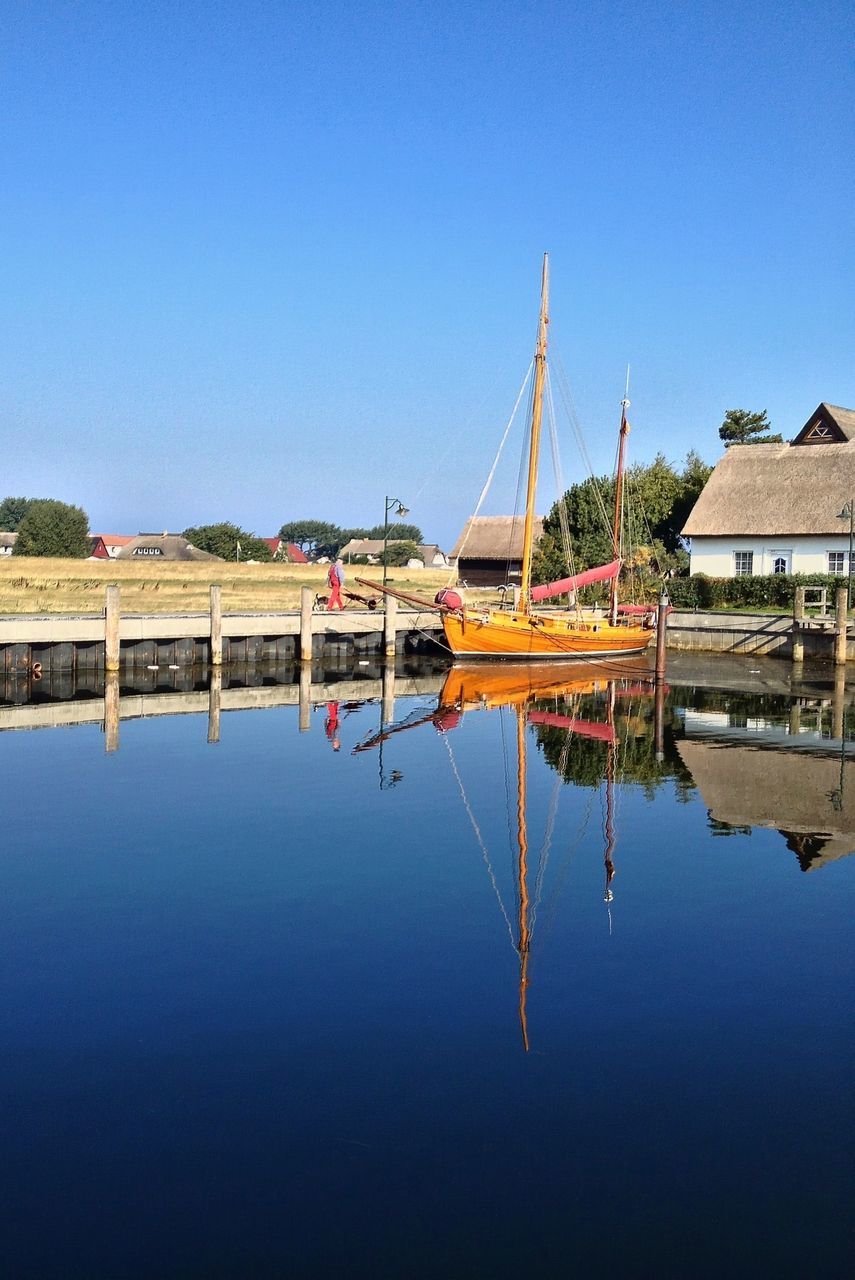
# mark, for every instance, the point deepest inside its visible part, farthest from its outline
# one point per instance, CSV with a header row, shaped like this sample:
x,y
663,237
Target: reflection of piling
x,y
795,717
840,627
659,720
306,601
111,710
216,626
661,634
798,618
389,625
305,695
112,615
388,705
837,705
215,690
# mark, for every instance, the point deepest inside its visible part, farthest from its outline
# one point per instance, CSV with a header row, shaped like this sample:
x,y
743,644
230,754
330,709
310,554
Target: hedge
x,y
775,590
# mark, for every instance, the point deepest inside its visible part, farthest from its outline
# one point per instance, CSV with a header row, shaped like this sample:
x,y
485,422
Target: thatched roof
x,y
771,490
790,791
8,539
163,546
494,538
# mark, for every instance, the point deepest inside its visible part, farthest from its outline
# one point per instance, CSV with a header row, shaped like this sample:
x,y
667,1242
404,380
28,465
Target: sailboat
x,y
475,632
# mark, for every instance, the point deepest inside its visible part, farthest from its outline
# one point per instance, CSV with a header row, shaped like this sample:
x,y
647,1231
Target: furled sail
x,y
604,573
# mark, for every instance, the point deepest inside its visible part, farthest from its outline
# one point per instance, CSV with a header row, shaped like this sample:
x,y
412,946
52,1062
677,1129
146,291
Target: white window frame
x,y
738,557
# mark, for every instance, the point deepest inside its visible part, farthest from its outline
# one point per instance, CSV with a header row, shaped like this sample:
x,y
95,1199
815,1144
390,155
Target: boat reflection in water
x,y
545,698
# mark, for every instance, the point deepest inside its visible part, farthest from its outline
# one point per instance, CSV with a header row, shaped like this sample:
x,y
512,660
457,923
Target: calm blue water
x,y
260,1015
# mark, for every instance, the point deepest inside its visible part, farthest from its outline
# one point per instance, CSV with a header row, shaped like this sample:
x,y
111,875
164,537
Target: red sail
x,y
584,728
603,574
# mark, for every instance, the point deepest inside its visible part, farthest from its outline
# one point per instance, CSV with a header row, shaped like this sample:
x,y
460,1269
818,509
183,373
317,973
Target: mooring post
x,y
388,703
216,625
390,619
661,629
112,616
306,601
305,696
111,710
215,690
798,617
840,629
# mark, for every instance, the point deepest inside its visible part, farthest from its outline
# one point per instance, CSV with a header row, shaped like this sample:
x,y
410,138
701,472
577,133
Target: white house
x,y
429,554
776,508
7,543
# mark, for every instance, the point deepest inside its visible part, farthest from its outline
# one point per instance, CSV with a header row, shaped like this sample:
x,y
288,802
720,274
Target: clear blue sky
x,y
263,261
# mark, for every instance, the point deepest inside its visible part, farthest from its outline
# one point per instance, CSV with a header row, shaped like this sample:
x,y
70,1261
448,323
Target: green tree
x,y
696,473
51,528
398,553
222,539
740,426
314,537
657,499
400,532
12,512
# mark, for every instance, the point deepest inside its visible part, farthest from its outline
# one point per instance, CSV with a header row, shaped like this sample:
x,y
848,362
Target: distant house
x,y
106,546
162,546
428,555
7,543
776,508
488,552
286,551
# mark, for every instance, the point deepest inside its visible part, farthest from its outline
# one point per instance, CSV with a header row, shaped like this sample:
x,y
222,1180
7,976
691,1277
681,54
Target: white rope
x,y
485,855
486,488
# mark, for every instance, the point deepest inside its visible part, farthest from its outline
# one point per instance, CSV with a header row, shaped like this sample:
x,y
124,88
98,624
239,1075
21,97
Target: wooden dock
x,y
112,639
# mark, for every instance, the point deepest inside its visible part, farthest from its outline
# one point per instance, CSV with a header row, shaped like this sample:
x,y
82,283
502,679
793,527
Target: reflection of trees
x,y
582,760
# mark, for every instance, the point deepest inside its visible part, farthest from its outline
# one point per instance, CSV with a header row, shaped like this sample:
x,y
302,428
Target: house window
x,y
743,563
837,563
148,551
780,564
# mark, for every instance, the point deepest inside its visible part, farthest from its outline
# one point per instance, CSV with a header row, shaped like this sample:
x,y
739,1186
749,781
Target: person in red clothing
x,y
331,725
335,578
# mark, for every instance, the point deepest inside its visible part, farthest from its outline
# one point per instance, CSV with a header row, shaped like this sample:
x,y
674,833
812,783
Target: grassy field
x,y
31,585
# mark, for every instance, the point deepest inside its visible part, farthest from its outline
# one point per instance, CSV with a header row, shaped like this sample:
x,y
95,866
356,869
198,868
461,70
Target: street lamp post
x,y
848,513
400,511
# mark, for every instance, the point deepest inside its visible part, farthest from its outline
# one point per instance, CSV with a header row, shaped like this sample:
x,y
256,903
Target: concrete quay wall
x,y
757,633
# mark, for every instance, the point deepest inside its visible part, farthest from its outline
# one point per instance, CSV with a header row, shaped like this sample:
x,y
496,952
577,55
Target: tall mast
x,y
621,458
522,867
534,445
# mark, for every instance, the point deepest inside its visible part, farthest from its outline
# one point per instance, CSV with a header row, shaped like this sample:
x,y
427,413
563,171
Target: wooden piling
x,y
798,618
661,634
215,690
390,619
216,625
306,601
112,617
111,710
840,628
305,695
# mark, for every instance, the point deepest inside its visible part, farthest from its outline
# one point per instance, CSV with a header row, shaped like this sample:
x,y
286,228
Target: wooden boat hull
x,y
475,633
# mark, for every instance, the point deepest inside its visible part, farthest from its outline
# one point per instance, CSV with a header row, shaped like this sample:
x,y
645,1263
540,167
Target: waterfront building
x,y
777,508
489,551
